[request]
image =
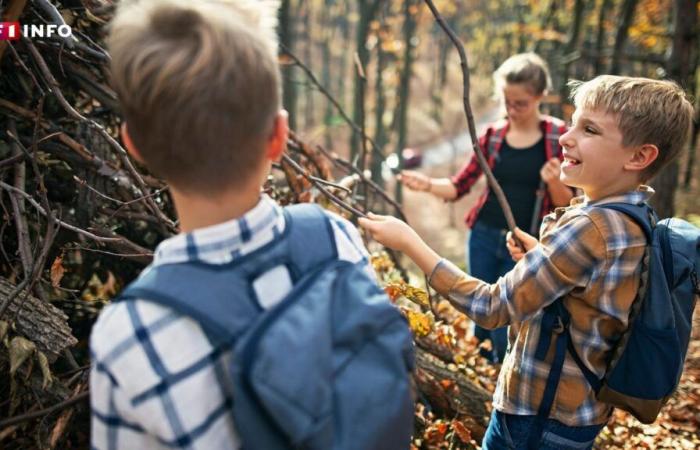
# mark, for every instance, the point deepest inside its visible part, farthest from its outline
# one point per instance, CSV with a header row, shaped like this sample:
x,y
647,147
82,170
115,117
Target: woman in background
x,y
524,155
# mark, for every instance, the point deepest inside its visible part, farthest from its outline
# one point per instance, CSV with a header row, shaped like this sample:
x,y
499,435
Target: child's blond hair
x,y
199,86
528,69
648,112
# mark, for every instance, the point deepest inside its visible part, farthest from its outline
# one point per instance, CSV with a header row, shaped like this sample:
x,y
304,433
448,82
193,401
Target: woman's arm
x,y
439,187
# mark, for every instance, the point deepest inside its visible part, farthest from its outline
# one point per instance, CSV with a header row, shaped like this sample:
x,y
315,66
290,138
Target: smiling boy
x,y
624,131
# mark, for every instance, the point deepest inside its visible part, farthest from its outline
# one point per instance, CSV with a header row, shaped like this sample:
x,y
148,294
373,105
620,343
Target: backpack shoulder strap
x,y
310,238
496,135
219,300
642,214
220,297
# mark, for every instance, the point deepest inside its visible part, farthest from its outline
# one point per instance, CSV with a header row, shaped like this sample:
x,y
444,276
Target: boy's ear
x,y
129,144
277,142
642,157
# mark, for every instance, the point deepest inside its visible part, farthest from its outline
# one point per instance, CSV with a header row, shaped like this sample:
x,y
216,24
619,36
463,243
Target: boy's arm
x,y
563,261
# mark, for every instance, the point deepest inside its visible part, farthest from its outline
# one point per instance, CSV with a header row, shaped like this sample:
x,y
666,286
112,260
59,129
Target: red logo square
x,y
10,31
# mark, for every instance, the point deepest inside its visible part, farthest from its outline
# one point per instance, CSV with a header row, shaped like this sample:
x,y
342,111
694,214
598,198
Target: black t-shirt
x,y
518,172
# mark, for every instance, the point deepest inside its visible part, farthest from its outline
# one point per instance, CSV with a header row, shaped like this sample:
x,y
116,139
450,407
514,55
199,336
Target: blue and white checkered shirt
x,y
156,381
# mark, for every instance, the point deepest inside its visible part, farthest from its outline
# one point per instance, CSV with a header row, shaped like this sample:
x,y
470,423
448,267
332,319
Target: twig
x,y
20,214
11,160
55,89
43,412
355,127
114,240
301,171
55,18
493,183
352,169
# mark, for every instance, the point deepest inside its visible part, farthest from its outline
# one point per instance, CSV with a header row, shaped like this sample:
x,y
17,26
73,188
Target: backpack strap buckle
x,y
560,326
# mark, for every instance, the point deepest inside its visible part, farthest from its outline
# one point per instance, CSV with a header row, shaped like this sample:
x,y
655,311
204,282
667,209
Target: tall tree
x,y
380,134
680,66
307,14
571,45
409,31
287,37
600,36
626,15
368,10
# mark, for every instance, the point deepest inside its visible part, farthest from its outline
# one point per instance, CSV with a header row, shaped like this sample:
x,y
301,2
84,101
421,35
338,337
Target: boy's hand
x,y
415,181
551,170
389,231
515,251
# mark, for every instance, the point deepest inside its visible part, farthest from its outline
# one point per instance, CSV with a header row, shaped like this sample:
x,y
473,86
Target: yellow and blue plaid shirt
x,y
589,256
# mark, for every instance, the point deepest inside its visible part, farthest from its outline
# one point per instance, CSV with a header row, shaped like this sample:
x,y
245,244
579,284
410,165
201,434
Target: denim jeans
x,y
510,432
488,259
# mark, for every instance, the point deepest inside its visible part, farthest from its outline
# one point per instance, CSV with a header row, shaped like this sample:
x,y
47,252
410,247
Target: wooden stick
x,y
493,184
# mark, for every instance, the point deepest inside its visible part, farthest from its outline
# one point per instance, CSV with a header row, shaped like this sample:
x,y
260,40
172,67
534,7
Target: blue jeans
x,y
488,259
510,432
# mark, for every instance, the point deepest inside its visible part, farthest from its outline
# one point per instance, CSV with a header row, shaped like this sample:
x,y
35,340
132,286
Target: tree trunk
x,y
681,64
461,398
38,321
326,55
551,10
308,95
405,84
570,47
380,135
368,9
600,37
626,16
287,37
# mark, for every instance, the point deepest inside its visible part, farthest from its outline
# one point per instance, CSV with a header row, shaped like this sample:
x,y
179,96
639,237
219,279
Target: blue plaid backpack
x,y
647,363
328,367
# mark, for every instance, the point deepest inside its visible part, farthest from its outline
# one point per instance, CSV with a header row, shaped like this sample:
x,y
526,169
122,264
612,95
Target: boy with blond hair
x,y
624,131
231,336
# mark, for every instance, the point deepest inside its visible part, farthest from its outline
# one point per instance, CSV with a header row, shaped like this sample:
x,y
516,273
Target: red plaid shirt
x,y
490,144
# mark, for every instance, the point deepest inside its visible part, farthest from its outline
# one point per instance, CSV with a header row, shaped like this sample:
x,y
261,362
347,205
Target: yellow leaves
x,y
421,324
417,295
45,370
4,327
401,289
20,350
381,262
98,290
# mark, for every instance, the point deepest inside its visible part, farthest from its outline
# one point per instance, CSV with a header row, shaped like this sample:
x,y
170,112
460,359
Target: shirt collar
x,y
223,242
642,194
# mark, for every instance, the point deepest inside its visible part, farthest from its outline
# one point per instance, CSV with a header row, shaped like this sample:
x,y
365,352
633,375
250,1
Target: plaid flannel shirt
x,y
490,144
156,381
589,256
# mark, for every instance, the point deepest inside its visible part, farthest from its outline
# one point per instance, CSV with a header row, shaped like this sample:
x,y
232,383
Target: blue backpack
x,y
328,367
647,362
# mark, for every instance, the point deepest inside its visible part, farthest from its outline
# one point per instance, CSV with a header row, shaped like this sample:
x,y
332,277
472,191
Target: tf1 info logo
x,y
11,31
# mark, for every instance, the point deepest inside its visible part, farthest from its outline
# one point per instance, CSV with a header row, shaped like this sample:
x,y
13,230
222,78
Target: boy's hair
x,y
648,112
524,68
199,86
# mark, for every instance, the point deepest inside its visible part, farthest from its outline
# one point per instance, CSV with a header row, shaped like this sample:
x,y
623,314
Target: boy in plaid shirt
x,y
624,131
199,87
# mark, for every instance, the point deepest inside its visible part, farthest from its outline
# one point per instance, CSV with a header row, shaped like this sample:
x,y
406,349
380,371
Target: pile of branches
x,y
81,220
